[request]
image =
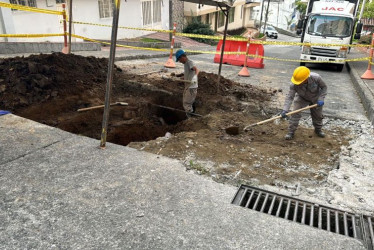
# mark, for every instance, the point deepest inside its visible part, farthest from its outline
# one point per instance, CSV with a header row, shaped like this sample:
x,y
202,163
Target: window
x,y
210,18
231,15
330,26
30,3
221,19
151,11
106,8
157,11
60,1
254,11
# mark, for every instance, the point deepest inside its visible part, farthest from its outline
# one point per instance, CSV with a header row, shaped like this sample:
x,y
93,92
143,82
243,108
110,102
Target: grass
x,y
150,40
198,167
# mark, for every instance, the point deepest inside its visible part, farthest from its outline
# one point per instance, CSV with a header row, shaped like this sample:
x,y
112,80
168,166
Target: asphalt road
x,y
341,102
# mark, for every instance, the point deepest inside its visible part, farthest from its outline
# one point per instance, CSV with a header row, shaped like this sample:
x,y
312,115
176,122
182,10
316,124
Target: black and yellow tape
x,y
31,35
123,27
32,9
226,53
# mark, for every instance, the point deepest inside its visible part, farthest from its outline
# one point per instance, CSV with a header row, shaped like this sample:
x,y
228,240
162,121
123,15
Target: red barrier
x,y
241,46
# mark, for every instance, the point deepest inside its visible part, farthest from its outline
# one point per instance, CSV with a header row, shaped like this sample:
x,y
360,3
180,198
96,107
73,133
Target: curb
x,y
363,91
139,57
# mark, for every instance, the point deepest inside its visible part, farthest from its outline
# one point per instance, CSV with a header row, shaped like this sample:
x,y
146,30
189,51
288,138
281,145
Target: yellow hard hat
x,y
300,75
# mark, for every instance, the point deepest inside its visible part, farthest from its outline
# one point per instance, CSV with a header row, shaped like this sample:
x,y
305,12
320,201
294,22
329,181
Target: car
x,y
270,31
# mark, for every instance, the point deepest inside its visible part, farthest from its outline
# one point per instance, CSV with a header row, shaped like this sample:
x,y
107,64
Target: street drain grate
x,y
322,217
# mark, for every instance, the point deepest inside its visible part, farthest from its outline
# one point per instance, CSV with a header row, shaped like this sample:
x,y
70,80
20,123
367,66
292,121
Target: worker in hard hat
x,y
309,88
190,88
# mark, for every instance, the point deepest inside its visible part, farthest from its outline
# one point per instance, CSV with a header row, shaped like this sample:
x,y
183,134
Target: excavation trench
x,y
51,88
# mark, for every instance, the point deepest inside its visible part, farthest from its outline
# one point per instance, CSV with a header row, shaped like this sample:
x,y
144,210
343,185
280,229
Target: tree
x,y
369,10
301,8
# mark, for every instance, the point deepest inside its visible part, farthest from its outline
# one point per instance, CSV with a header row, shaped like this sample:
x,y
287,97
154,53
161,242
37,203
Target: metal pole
x,y
226,13
170,18
108,90
70,23
278,15
362,10
262,11
266,15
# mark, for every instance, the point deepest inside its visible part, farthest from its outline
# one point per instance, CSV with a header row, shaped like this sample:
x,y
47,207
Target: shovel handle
x,y
102,106
279,116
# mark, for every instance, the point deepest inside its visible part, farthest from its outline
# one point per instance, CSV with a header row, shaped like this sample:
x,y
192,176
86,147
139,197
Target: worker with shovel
x,y
190,85
309,89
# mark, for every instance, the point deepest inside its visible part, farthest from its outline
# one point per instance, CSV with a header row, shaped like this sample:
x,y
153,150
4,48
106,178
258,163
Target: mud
x,y
50,88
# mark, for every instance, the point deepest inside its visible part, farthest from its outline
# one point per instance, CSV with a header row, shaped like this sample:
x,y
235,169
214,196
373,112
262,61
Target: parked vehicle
x,y
328,22
270,31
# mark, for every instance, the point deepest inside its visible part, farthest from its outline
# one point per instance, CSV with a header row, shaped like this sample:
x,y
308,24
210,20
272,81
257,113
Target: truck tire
x,y
339,67
302,64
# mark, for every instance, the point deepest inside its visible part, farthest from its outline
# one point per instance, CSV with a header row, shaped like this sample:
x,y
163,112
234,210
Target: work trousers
x,y
316,114
189,96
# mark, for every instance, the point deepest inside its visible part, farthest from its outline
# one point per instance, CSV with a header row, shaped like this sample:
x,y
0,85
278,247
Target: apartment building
x,y
243,14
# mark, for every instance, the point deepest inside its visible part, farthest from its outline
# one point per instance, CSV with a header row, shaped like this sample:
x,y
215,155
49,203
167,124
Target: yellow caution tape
x,y
27,8
123,27
225,53
253,41
119,45
30,35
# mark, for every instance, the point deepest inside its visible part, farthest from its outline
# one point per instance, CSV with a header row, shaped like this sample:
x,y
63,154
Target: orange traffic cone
x,y
170,63
244,71
368,74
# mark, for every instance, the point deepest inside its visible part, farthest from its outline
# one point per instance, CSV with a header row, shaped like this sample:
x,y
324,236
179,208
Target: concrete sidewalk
x,y
60,191
364,88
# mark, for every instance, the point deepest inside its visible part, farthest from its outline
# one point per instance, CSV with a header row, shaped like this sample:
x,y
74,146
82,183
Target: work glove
x,y
320,103
194,79
283,114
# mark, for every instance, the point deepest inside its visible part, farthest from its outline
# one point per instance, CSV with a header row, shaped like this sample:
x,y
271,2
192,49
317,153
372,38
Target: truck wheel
x,y
302,64
339,67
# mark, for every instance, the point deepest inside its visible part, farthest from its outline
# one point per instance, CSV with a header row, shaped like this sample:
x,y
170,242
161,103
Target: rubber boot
x,y
319,133
289,136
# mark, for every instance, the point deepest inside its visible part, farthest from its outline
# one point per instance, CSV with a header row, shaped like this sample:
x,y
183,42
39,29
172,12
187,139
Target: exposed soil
x,y
50,89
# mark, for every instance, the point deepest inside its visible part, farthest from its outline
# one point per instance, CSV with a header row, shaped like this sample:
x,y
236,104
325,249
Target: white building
x,y
282,13
133,13
242,15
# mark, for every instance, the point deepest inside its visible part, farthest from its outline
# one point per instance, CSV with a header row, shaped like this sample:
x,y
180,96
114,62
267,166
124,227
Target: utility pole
x,y
170,19
108,91
266,15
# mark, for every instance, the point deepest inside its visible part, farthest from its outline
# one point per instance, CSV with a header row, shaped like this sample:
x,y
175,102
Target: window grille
x,y
30,3
151,11
106,8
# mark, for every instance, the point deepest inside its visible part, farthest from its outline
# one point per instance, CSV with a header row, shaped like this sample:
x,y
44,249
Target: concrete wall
x,y
6,22
34,47
85,11
178,14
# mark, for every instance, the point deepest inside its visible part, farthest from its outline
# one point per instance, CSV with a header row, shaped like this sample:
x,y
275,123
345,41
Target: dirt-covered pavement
x,y
50,89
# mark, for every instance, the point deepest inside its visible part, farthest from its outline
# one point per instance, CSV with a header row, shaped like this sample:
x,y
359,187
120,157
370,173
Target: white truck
x,y
328,22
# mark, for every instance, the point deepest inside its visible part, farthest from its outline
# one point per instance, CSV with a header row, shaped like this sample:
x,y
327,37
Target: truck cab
x,y
328,26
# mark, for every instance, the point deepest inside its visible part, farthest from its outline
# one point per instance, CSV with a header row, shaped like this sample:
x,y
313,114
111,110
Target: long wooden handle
x,y
279,116
102,106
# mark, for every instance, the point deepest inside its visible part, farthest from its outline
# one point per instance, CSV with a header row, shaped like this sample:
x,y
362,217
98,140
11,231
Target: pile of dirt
x,y
50,88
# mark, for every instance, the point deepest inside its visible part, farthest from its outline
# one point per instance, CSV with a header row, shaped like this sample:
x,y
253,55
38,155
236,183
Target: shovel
x,y
235,130
279,116
102,106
